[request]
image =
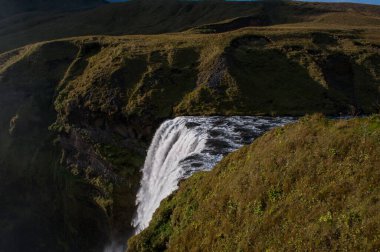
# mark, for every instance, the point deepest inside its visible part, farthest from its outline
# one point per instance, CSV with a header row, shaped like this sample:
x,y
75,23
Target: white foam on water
x,y
184,145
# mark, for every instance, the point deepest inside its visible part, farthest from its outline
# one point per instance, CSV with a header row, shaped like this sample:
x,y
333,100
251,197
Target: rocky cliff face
x,y
77,115
46,206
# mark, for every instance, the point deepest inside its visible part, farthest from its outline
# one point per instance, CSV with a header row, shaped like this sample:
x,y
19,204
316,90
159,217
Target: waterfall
x,y
184,145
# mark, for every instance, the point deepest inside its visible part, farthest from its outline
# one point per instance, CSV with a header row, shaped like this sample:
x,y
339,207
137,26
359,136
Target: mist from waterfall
x,y
184,145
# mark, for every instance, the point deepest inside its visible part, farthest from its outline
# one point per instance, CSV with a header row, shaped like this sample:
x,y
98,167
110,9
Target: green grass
x,y
157,17
101,98
312,185
141,75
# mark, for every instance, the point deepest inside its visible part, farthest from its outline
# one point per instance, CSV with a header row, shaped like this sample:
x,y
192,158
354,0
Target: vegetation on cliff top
x,y
93,104
312,185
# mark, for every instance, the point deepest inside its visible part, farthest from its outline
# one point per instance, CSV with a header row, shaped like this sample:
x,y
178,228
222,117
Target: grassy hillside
x,y
273,71
78,114
13,7
311,186
155,17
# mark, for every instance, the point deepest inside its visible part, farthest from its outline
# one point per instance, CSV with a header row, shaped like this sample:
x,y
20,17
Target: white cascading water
x,y
184,145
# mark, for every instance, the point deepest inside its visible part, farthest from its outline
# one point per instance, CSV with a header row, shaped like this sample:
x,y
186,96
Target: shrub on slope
x,y
311,186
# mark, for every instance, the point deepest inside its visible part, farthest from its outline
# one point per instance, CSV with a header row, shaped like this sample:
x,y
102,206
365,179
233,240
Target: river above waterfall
x,y
185,145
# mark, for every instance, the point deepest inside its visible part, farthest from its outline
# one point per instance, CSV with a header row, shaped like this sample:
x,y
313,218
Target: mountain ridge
x,y
14,7
155,18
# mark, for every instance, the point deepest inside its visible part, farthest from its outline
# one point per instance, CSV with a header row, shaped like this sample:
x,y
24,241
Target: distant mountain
x,y
165,16
11,7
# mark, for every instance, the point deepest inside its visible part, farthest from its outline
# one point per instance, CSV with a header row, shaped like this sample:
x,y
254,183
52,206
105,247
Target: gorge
x,y
83,94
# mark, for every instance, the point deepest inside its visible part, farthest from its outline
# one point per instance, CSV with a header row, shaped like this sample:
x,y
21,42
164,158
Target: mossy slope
x,y
43,205
252,71
312,185
98,100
